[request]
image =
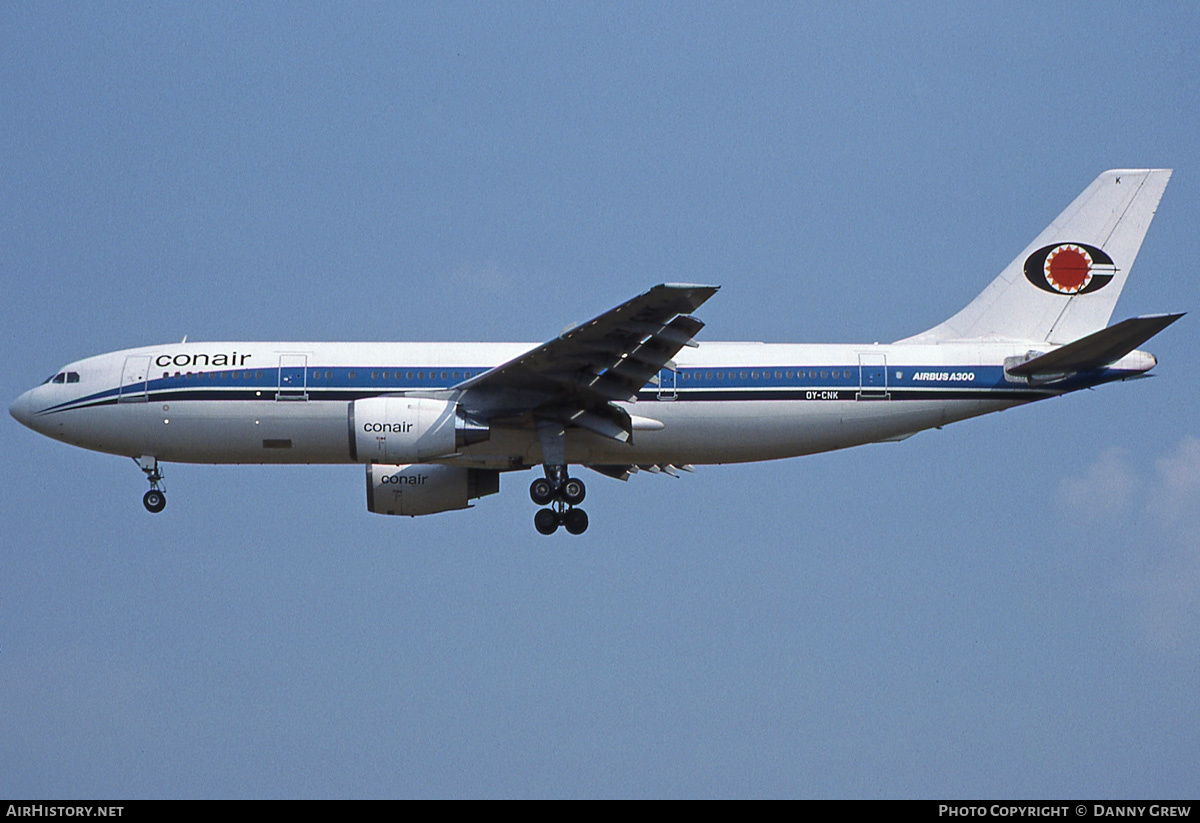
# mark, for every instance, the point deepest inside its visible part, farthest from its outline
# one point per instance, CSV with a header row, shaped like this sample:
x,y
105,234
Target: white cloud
x,y
1173,582
1107,487
1175,496
1167,582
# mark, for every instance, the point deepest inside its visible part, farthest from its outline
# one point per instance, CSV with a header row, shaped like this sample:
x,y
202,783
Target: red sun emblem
x,y
1068,269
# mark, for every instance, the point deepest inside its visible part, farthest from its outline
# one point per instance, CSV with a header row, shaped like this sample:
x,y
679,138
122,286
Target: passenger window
x,y
350,375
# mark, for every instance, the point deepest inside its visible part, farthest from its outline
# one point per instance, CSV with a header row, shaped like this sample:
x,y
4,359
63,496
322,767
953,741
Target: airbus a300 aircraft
x,y
436,424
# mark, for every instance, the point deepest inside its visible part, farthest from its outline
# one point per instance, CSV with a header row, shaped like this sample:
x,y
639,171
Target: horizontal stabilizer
x,y
1098,349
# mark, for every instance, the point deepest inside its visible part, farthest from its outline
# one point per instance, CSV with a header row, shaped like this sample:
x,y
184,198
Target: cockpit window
x,y
61,377
72,377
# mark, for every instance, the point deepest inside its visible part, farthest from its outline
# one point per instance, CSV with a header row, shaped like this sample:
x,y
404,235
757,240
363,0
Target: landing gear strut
x,y
558,492
562,493
154,500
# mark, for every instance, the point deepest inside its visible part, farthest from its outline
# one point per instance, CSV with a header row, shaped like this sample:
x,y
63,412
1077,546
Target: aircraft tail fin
x,y
1065,285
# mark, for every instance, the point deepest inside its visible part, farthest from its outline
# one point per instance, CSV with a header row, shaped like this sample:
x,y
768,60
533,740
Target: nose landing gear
x,y
563,494
154,500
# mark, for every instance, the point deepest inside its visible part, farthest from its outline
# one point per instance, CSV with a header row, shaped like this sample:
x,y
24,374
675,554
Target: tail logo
x,y
1069,268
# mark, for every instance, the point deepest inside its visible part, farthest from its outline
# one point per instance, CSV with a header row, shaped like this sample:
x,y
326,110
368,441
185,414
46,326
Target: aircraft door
x,y
293,377
666,384
133,379
872,372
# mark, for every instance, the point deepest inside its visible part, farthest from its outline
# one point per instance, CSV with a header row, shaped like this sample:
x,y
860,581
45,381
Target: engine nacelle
x,y
399,430
423,488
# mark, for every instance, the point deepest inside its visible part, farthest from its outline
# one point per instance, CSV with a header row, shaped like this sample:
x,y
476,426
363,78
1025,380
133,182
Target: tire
x,y
154,501
576,521
541,491
546,521
573,492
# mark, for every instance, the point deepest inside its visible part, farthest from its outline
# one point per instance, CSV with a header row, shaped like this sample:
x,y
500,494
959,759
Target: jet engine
x,y
422,488
409,429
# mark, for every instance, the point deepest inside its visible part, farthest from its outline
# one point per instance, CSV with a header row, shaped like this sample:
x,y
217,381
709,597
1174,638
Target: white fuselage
x,y
435,424
723,402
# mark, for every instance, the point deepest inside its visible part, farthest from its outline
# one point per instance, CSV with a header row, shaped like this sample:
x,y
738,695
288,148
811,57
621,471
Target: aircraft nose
x,y
22,409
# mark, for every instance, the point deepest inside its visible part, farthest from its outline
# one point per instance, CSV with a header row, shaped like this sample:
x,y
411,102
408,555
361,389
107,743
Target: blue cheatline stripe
x,y
79,402
708,384
725,395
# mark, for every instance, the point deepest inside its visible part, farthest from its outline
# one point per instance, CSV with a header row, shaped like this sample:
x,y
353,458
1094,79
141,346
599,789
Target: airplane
x,y
436,424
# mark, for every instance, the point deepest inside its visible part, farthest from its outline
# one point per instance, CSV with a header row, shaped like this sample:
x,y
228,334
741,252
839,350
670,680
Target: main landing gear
x,y
562,494
154,500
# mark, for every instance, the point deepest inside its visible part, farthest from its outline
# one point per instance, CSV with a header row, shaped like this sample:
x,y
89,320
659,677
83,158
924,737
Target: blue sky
x,y
1007,607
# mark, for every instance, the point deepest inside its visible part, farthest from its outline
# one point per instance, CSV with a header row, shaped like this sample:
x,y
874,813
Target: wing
x,y
576,378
